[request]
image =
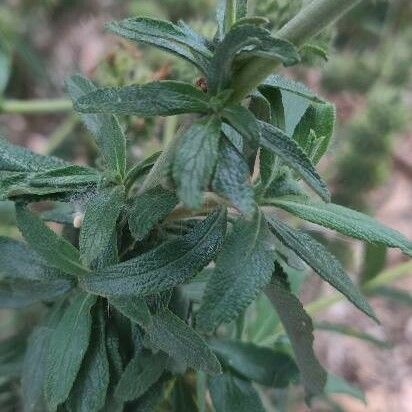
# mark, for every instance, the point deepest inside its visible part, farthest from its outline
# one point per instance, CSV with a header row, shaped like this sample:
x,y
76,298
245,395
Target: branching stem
x,y
310,21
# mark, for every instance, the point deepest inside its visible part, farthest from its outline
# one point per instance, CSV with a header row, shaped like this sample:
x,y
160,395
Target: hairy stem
x,y
37,106
310,21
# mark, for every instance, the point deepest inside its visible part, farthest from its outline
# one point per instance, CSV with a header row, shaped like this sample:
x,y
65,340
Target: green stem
x,y
38,106
61,133
310,21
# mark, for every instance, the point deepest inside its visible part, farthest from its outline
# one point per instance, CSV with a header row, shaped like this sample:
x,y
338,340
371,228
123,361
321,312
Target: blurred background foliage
x,y
364,65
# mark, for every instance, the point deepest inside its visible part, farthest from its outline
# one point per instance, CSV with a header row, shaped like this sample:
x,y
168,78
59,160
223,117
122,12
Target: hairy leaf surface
x,y
149,209
164,267
162,98
282,145
57,251
173,336
90,388
321,261
230,393
178,39
99,223
195,158
346,221
243,268
140,374
299,328
232,180
259,364
105,128
68,345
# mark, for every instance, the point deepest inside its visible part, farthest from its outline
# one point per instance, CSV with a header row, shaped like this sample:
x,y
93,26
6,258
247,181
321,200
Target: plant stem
x,y
38,106
310,21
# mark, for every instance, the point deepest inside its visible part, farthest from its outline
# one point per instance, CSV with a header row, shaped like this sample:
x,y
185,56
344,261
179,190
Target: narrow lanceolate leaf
x,y
57,251
178,38
321,261
230,394
140,374
164,267
150,208
232,178
34,370
99,223
346,221
259,364
314,131
105,128
299,328
18,261
163,98
68,345
195,159
245,123
243,268
292,155
134,308
277,81
18,293
173,336
19,159
238,38
90,388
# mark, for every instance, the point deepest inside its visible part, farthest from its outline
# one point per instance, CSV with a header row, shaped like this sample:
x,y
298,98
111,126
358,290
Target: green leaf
x,y
335,384
19,293
144,370
99,223
34,364
221,67
292,155
398,296
19,159
140,168
53,248
177,39
321,261
232,180
68,345
346,221
230,394
134,308
89,390
150,208
34,370
5,66
162,98
11,356
105,128
279,82
374,262
352,332
55,182
195,159
243,268
173,336
299,328
183,397
245,123
262,365
315,129
164,267
18,261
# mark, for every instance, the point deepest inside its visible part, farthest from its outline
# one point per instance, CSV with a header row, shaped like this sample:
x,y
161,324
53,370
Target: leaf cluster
x,y
124,323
